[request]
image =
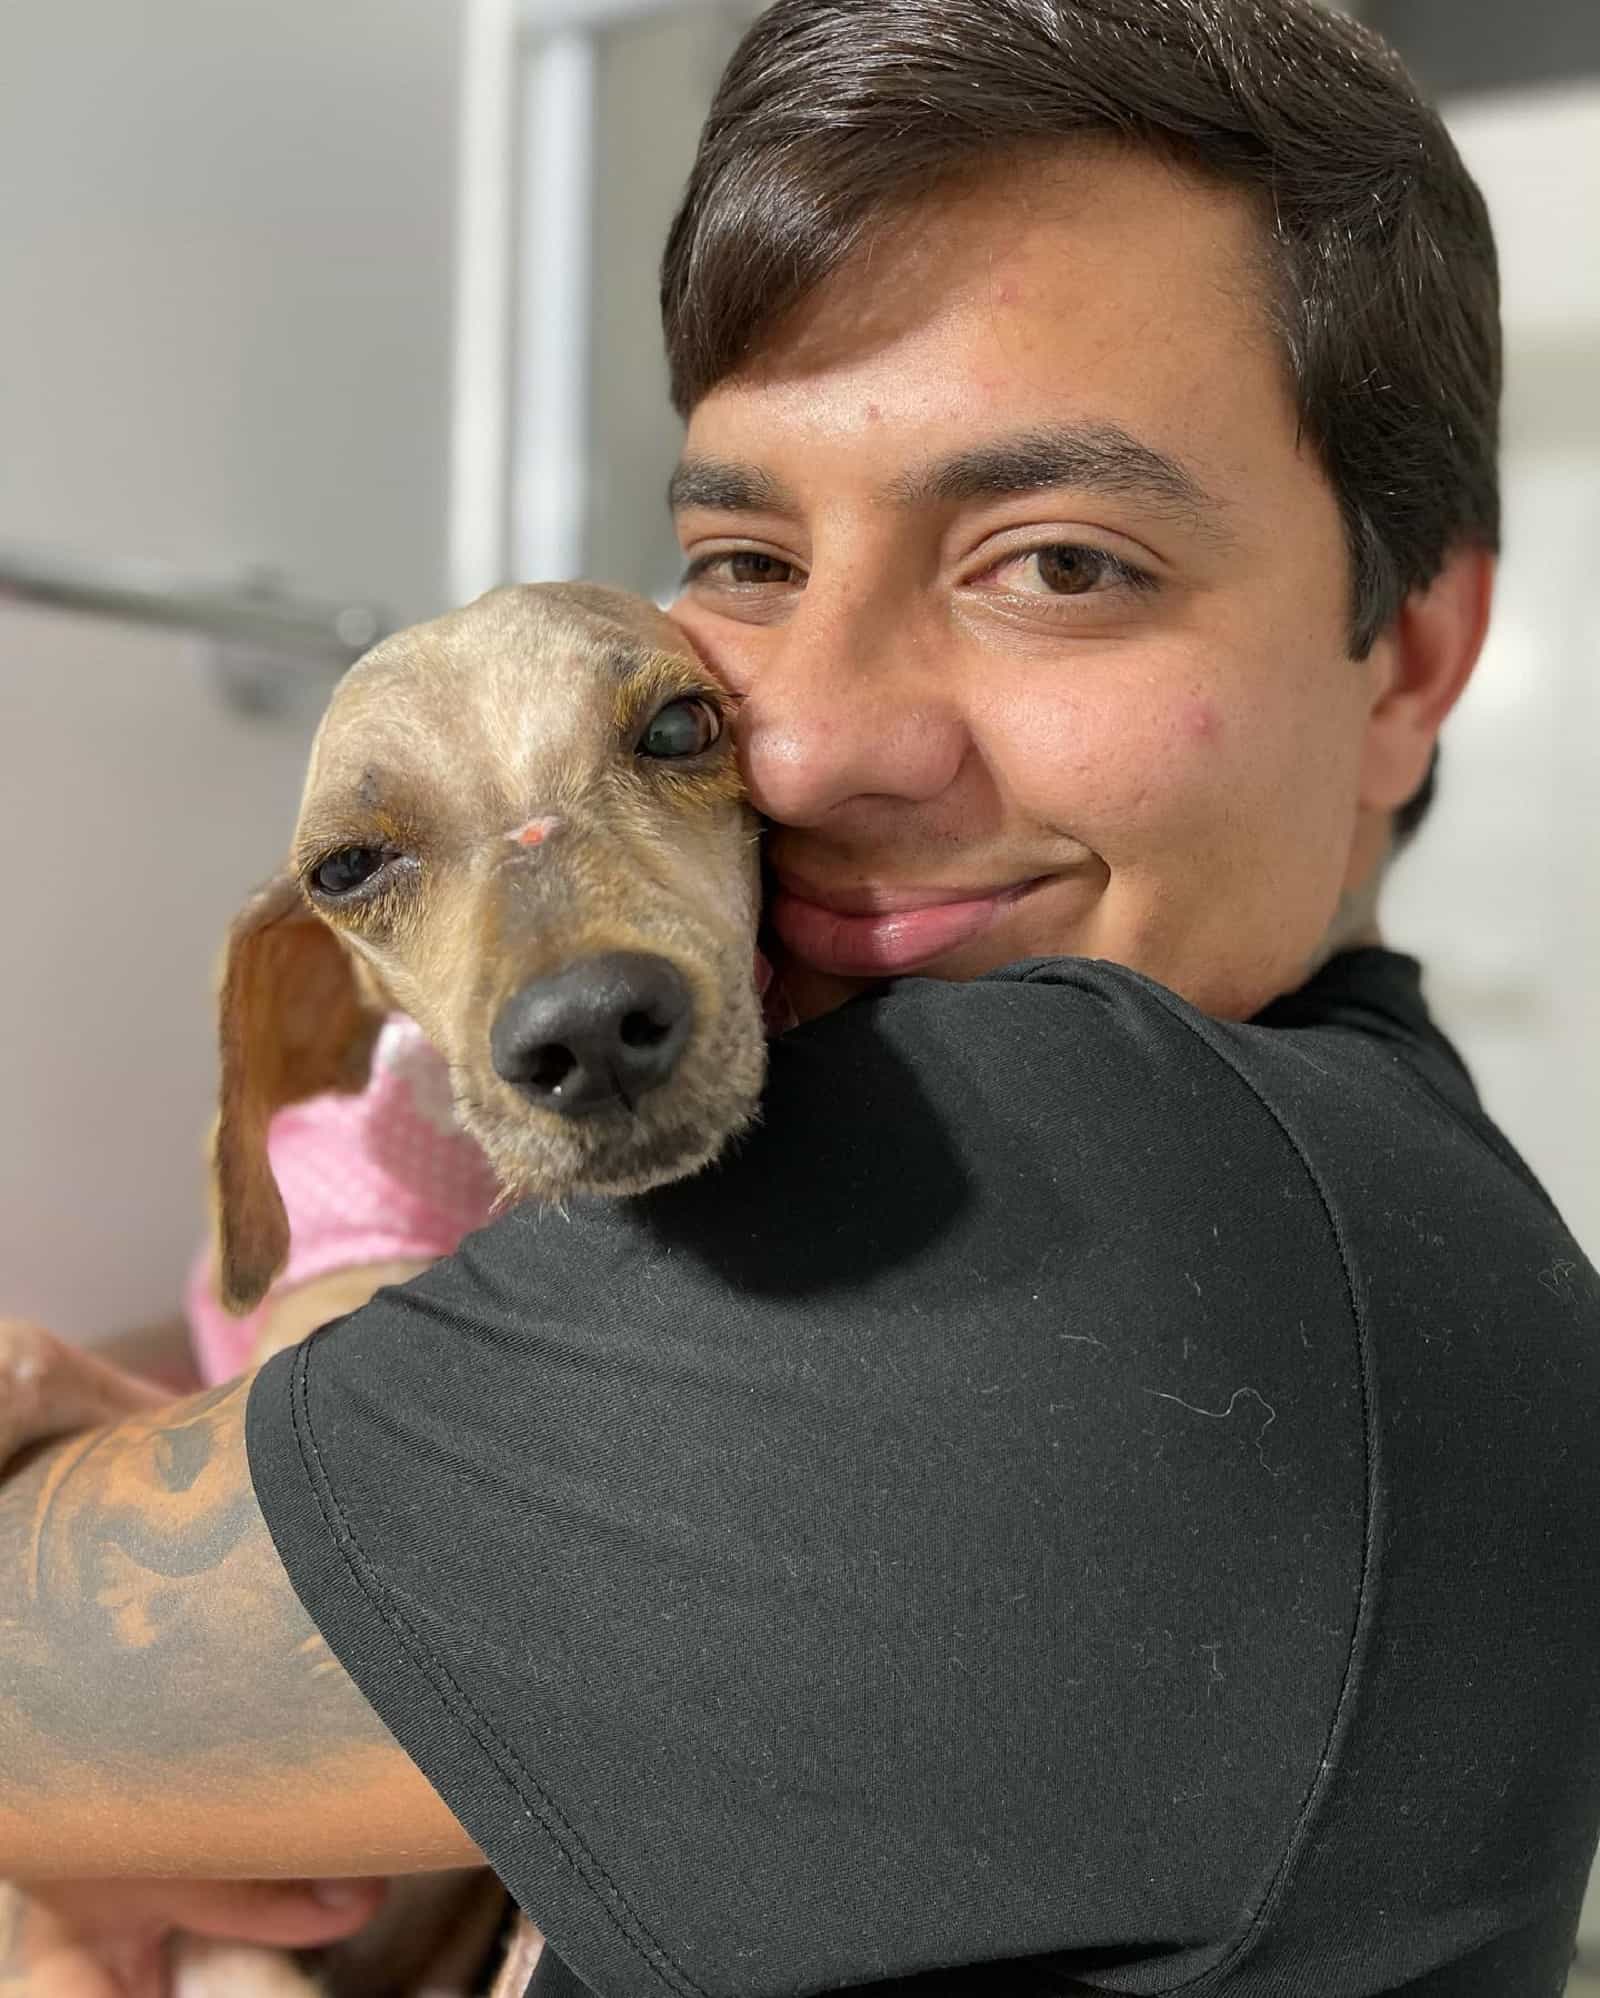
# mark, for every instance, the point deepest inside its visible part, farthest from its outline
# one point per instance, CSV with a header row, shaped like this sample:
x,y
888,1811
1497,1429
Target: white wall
x,y
1501,897
655,80
225,252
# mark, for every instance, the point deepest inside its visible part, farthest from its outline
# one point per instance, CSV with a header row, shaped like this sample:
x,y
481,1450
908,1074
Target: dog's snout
x,y
603,1031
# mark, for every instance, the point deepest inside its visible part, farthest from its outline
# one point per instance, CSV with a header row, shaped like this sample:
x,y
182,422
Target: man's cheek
x,y
1123,780
1199,721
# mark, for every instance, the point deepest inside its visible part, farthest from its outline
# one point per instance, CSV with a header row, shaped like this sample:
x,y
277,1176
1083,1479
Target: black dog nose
x,y
603,1031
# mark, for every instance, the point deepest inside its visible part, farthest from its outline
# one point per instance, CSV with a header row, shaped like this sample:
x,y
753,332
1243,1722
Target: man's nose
x,y
848,704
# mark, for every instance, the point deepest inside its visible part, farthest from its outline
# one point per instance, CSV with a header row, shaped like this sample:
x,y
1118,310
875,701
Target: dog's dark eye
x,y
346,870
682,728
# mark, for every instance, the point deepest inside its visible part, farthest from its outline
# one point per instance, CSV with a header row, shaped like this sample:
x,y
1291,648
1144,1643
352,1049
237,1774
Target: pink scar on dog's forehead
x,y
535,832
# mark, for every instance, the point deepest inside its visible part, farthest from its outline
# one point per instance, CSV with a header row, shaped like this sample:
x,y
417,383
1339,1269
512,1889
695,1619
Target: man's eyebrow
x,y
1098,457
722,487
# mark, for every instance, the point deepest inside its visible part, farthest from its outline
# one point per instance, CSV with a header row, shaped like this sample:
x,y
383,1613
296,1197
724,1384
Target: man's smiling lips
x,y
868,932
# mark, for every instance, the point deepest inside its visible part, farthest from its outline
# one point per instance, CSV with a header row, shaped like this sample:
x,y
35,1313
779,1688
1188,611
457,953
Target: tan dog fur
x,y
439,745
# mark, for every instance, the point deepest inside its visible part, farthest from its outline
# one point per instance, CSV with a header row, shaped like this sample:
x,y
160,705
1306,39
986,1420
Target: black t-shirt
x,y
1084,1498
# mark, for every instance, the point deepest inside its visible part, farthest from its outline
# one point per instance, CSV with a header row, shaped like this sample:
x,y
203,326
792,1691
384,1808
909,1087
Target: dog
x,y
524,829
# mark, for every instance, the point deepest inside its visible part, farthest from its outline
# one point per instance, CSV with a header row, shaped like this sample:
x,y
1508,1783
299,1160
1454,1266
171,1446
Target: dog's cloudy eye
x,y
682,728
347,869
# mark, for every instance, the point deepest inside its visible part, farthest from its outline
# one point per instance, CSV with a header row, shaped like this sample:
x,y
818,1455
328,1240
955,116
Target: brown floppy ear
x,y
295,1021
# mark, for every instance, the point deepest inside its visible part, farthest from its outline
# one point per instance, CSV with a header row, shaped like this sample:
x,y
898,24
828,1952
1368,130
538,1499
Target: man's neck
x,y
1355,922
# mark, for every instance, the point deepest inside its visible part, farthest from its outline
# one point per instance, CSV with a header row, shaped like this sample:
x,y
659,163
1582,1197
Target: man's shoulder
x,y
1071,1083
1104,1050
1064,1126
1353,1047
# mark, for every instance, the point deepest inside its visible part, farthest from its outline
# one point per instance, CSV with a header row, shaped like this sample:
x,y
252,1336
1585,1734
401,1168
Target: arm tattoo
x,y
147,1629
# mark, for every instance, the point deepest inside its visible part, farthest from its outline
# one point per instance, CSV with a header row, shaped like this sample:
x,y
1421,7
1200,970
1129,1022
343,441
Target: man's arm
x,y
166,1706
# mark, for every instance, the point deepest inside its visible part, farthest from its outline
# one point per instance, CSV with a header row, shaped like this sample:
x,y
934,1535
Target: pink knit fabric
x,y
386,1176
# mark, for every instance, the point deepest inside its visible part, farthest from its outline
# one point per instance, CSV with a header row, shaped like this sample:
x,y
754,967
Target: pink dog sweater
x,y
383,1176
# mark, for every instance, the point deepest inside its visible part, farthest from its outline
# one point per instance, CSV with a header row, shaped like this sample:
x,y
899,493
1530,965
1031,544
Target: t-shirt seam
x,y
460,1707
1323,1777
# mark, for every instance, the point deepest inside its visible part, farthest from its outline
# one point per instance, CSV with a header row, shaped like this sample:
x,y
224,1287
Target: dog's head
x,y
524,826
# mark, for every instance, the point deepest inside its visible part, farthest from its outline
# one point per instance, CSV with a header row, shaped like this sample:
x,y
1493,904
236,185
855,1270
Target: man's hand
x,y
49,1388
110,1938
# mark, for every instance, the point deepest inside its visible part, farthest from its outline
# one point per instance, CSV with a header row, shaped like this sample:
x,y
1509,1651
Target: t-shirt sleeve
x,y
931,1536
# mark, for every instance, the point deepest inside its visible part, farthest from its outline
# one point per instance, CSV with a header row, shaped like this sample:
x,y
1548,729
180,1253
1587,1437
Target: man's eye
x,y
348,869
741,567
1070,569
682,728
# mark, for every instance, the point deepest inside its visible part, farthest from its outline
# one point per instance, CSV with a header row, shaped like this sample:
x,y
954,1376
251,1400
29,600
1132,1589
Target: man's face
x,y
1038,607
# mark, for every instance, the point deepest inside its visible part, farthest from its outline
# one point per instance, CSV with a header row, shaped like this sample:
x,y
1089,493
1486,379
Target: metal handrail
x,y
147,593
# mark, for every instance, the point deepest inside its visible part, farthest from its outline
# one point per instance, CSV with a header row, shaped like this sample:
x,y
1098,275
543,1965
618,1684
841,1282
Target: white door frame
x,y
525,225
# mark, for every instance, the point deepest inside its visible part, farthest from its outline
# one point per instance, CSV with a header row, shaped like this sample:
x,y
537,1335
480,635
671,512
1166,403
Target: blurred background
x,y
323,317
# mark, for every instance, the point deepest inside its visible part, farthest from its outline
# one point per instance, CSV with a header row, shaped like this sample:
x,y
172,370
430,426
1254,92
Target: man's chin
x,y
812,993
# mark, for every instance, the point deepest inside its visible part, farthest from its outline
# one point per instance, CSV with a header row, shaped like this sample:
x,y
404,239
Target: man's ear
x,y
295,1021
1421,662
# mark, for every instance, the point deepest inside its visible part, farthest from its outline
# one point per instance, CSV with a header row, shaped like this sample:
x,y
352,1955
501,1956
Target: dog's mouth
x,y
612,1150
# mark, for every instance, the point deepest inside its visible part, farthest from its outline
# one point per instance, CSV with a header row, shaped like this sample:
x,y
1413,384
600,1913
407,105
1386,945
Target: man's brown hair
x,y
834,114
